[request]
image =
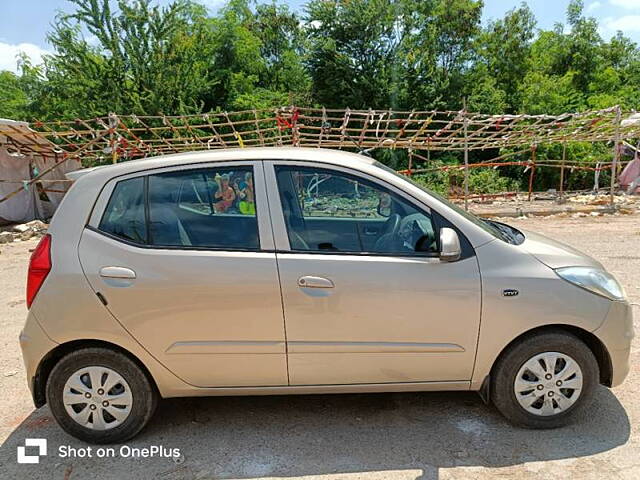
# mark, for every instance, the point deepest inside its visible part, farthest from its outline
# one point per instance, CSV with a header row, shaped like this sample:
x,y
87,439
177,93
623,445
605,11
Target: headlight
x,y
593,279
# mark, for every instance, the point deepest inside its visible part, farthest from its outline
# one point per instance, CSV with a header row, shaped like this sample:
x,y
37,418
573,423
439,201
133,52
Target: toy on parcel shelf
x,y
225,194
247,203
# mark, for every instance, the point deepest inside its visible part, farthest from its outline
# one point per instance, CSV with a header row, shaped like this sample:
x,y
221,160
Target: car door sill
x,y
323,389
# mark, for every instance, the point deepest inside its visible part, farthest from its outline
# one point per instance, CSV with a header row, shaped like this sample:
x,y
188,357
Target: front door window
x,y
327,210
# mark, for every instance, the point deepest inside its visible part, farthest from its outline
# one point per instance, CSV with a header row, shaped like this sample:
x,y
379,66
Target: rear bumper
x,y
616,333
35,345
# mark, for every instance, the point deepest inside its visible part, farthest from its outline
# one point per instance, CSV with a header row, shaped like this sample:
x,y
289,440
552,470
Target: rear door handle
x,y
309,281
117,272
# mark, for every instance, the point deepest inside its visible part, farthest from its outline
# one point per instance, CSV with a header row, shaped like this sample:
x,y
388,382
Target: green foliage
x,y
551,94
481,180
134,56
354,51
138,58
578,153
145,59
13,99
504,49
486,96
488,180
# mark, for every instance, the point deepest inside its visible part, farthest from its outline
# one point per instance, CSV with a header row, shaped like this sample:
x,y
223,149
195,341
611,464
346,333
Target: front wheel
x,y
100,395
545,380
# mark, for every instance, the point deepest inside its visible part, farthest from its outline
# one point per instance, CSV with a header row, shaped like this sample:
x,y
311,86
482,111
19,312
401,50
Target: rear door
x,y
378,308
184,260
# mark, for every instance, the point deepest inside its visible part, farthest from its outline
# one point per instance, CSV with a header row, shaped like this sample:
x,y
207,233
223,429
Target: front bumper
x,y
35,345
616,333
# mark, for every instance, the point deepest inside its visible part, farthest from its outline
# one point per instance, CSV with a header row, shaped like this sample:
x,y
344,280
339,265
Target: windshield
x,y
499,230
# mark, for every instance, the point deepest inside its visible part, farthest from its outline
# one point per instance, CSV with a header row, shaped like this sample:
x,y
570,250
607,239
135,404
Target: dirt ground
x,y
381,436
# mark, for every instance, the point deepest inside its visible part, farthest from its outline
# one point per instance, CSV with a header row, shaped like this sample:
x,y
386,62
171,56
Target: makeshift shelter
x,y
58,146
23,155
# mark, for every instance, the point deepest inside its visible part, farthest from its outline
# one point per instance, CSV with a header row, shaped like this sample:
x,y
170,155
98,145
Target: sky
x,y
24,23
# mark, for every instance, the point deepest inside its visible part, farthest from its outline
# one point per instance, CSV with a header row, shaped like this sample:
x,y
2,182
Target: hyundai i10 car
x,y
292,270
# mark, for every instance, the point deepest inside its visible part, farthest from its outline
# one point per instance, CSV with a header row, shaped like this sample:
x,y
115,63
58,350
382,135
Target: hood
x,y
556,254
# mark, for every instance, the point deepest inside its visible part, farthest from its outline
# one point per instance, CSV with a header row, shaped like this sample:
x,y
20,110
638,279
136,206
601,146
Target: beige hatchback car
x,y
292,270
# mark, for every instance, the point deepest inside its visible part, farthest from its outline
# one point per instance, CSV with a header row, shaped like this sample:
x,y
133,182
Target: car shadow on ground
x,y
402,435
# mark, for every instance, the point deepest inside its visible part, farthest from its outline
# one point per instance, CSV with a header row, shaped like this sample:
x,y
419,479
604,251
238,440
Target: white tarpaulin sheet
x,y
20,207
15,171
30,204
54,189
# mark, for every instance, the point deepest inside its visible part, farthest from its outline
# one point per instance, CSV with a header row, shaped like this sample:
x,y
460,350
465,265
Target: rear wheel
x,y
545,380
100,396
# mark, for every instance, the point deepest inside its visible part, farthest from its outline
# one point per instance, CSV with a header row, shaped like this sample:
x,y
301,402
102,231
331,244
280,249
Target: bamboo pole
x,y
564,158
616,155
112,141
465,122
533,169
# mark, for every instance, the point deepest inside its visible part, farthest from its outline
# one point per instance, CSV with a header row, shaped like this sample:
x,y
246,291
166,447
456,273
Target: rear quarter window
x,y
124,216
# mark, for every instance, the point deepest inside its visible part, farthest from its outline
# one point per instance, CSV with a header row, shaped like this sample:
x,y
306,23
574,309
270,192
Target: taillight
x,y
39,267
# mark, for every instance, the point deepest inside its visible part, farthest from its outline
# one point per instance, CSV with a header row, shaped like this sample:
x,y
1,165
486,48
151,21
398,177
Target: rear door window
x,y
201,208
212,208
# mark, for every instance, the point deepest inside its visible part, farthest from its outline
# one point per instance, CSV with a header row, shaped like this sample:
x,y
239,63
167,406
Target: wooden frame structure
x,y
116,137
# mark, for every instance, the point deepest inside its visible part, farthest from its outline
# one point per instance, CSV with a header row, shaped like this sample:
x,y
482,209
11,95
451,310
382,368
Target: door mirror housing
x,y
450,250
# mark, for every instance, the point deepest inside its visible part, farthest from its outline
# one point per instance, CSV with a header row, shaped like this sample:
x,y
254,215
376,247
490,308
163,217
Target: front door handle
x,y
309,281
117,272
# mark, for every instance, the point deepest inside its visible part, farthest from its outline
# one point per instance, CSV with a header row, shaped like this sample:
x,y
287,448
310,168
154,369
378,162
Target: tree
x,y
353,52
504,47
260,57
283,50
456,23
138,59
13,99
439,52
391,53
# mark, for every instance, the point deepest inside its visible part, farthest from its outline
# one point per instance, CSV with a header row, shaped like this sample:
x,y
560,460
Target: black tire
x,y
504,374
145,396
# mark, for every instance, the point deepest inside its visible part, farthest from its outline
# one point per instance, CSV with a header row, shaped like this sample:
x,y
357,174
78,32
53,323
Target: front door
x,y
366,298
184,260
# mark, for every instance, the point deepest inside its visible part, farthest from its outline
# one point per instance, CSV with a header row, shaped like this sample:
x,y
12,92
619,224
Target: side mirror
x,y
450,250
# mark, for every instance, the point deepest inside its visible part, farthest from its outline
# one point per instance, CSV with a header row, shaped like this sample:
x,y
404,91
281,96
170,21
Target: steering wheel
x,y
406,225
389,232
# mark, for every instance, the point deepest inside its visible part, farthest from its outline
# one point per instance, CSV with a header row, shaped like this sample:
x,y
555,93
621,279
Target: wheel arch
x,y
595,345
50,360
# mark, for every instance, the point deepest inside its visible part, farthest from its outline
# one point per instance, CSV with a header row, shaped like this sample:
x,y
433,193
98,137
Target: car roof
x,y
321,155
